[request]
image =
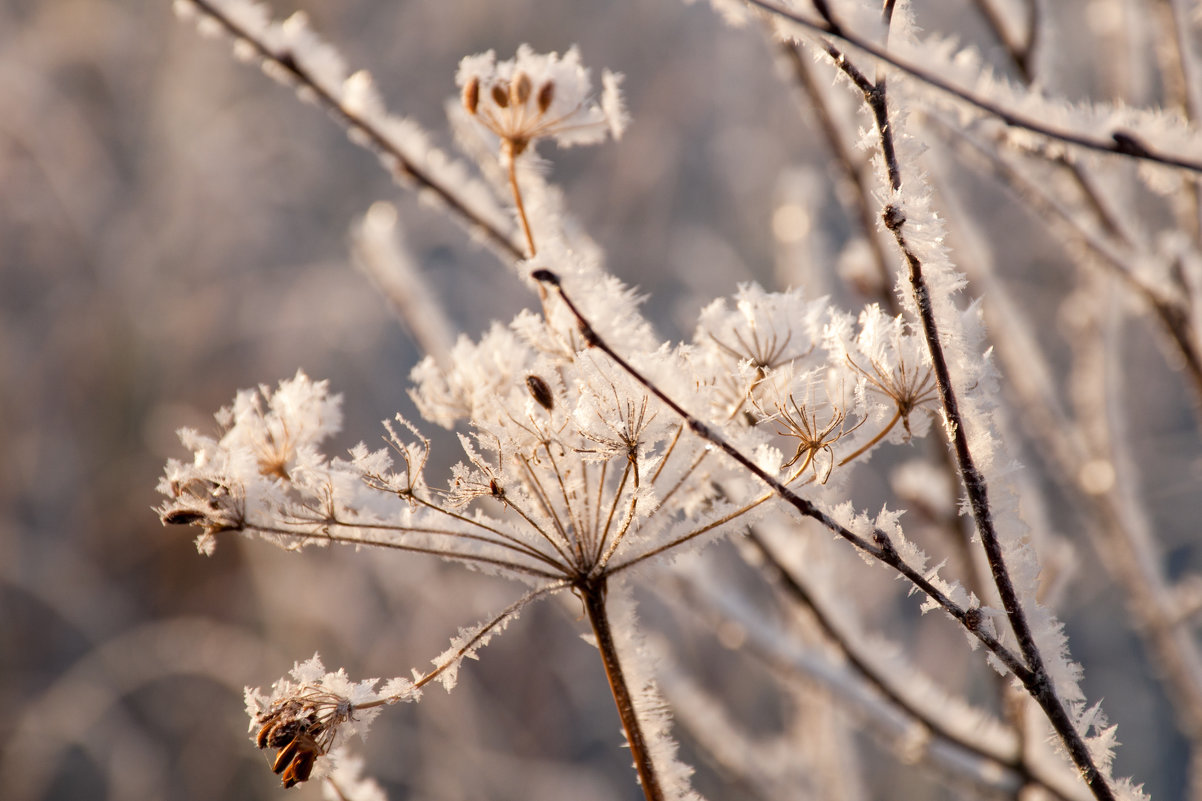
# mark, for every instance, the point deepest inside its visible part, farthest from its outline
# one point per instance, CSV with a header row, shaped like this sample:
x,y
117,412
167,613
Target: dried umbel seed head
x,y
295,761
200,502
540,391
537,96
302,729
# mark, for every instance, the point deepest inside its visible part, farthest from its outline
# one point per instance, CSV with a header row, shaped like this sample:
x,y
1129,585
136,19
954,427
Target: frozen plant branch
x,y
593,594
1038,682
883,684
1119,142
572,473
354,106
880,547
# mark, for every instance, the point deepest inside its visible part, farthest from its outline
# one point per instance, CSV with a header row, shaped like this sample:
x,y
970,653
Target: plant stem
x,y
1115,142
517,199
888,427
885,684
593,594
375,138
1037,680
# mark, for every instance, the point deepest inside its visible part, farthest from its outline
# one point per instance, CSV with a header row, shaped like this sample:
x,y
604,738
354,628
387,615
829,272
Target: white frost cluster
x,y
310,715
574,471
266,460
539,96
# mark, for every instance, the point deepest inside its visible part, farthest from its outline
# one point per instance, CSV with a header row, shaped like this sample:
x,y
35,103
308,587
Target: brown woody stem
x,y
517,200
593,595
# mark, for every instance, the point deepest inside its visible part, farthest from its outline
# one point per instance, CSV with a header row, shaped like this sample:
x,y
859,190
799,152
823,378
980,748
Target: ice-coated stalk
x,y
593,594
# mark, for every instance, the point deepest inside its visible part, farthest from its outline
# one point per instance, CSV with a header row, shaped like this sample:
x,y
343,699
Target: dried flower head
x,y
308,716
814,437
537,96
266,457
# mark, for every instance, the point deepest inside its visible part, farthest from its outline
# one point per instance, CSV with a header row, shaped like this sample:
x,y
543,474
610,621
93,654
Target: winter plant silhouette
x,y
595,453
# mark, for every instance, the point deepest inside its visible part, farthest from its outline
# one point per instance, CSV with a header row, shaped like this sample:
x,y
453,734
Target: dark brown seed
x,y
541,392
182,517
300,768
471,95
285,756
500,94
262,739
546,95
519,92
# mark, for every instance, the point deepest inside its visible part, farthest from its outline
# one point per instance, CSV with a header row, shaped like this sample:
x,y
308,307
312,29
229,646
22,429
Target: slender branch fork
x,y
1041,687
1119,142
375,139
880,547
798,591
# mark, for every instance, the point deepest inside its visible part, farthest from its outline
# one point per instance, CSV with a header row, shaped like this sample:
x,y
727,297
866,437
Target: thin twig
x,y
877,679
1020,55
466,647
1119,142
374,139
1041,688
520,205
847,165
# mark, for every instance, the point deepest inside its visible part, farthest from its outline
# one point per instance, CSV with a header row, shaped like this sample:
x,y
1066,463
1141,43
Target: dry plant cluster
x,y
824,546
598,457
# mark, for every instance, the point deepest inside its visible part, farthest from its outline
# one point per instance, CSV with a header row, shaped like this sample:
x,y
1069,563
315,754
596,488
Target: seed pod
x,y
182,517
500,94
300,768
285,756
471,95
519,92
546,94
264,736
541,392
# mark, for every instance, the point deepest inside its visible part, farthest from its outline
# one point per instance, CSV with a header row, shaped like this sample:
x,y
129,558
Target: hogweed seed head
x,y
539,96
309,715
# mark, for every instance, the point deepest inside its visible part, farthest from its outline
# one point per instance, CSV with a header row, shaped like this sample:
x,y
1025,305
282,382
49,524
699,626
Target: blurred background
x,y
174,226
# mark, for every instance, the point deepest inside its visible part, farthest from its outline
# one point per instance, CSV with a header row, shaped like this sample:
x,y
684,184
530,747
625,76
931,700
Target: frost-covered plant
x,y
596,454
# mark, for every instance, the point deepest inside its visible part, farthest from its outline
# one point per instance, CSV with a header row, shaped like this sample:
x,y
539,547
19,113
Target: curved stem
x,y
374,138
888,427
517,200
466,647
